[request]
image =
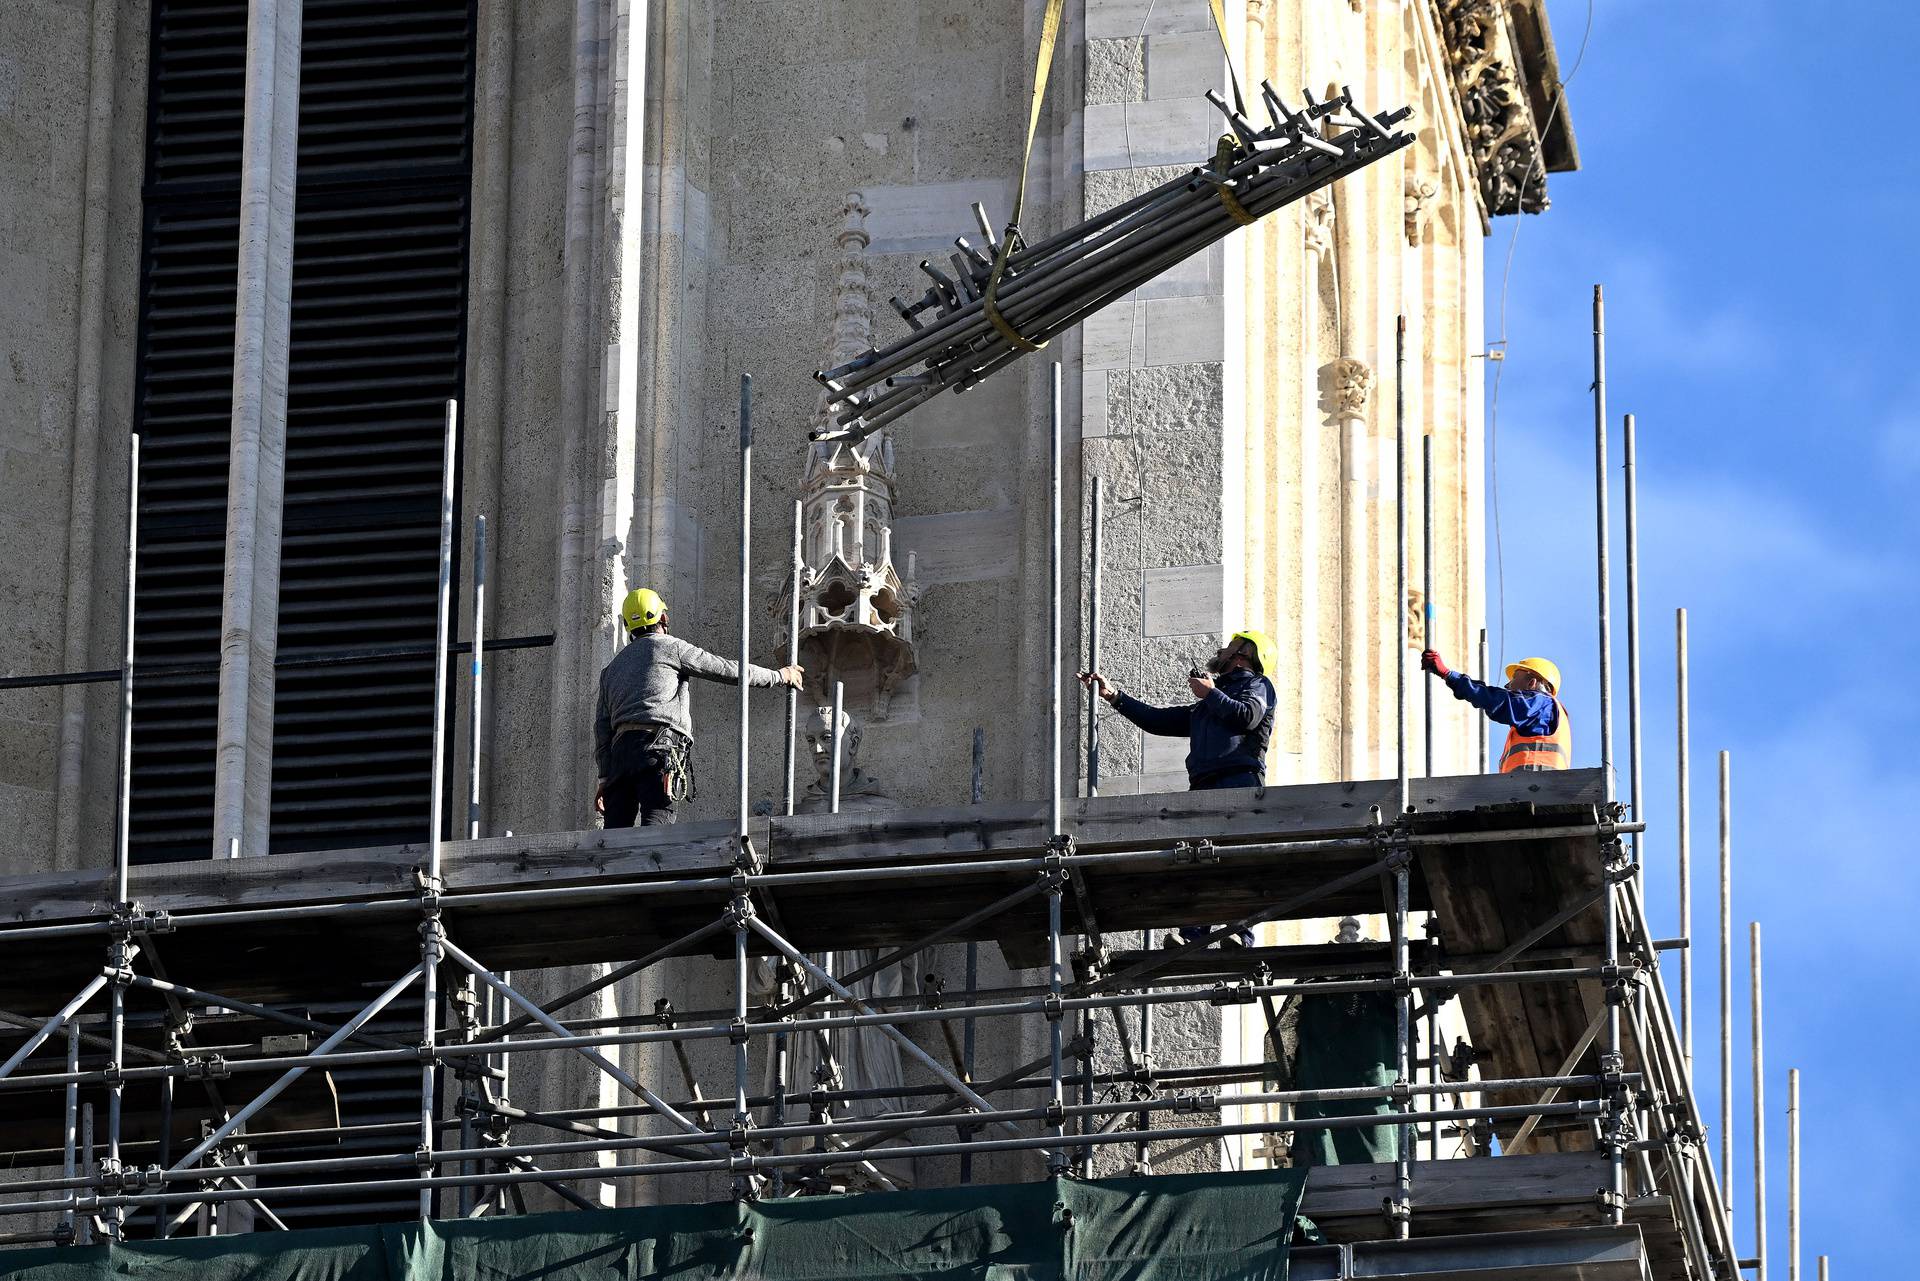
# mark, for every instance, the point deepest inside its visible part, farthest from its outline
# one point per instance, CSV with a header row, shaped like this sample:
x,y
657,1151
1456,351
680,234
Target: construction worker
x,y
1539,735
1226,728
643,724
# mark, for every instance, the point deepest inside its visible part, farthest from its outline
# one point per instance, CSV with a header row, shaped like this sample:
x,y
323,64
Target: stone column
x,y
243,745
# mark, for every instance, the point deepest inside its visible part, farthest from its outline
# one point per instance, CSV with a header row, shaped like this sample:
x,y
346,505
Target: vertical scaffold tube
x,y
968,1042
1759,1107
475,727
797,569
1426,592
746,594
1486,734
1612,1059
837,739
71,1133
1094,559
1684,770
1056,1159
1633,637
1399,611
1726,985
1403,1143
123,820
430,949
1600,505
1056,1096
1053,606
1793,1174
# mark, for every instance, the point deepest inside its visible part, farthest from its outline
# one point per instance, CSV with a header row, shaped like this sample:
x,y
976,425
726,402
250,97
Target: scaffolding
x,y
457,924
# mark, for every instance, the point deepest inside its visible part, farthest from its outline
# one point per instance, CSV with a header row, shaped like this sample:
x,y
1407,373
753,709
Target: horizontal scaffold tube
x,y
868,1125
1232,994
754,1161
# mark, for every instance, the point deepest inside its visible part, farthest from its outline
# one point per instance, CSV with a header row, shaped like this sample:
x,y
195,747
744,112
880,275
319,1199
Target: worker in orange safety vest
x,y
1539,735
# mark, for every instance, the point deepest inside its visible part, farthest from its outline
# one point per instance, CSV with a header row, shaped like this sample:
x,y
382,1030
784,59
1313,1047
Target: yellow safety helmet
x,y
1542,667
1264,653
642,608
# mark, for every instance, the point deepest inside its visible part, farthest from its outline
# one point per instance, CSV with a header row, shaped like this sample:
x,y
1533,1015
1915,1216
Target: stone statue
x,y
859,790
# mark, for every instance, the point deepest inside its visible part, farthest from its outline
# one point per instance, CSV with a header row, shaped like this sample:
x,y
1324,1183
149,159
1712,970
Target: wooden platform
x,y
1490,1195
680,872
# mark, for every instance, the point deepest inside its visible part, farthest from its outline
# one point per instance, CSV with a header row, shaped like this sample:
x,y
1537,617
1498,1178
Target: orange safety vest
x,y
1555,751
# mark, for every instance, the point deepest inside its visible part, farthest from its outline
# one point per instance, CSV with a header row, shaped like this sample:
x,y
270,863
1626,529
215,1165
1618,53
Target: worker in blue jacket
x,y
1227,727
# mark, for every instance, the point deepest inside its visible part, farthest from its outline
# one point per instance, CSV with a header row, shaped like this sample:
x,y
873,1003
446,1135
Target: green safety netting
x,y
1196,1227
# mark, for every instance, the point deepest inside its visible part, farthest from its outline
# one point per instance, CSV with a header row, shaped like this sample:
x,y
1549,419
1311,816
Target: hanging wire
x,y
1500,343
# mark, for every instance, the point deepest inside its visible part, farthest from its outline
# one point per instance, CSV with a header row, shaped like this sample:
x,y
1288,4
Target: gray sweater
x,y
647,681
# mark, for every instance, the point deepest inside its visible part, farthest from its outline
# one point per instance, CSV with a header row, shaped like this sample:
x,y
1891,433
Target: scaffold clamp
x,y
1196,852
1224,993
207,1067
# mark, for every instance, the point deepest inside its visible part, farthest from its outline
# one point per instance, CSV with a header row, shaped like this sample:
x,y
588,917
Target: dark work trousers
x,y
635,786
1245,778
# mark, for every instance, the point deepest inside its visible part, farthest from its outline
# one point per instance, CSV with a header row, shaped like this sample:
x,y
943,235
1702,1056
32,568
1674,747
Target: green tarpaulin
x,y
1197,1227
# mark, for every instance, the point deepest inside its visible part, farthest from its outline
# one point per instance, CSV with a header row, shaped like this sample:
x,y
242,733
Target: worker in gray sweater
x,y
643,725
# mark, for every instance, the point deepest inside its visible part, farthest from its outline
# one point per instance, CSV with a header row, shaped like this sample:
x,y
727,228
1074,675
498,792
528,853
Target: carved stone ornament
x,y
1502,137
1319,221
1352,383
1419,207
856,609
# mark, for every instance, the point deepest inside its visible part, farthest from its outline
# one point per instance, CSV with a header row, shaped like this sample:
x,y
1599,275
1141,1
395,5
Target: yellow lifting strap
x,y
1043,66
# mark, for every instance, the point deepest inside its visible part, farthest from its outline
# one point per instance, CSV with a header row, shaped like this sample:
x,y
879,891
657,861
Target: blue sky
x,y
1748,196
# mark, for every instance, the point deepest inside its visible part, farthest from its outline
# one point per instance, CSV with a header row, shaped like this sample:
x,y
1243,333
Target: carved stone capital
x,y
1352,384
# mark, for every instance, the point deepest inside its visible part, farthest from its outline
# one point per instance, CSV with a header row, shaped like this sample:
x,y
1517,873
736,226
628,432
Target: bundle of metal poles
x,y
970,325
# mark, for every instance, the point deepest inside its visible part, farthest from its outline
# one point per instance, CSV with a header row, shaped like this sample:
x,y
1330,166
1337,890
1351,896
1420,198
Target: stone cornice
x,y
1505,79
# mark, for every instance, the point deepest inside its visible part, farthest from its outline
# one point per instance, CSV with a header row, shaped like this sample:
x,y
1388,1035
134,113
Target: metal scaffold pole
x,y
1399,642
1426,584
1054,657
835,742
1633,635
1793,1174
1401,1208
120,949
1600,505
123,827
1094,558
798,570
1759,1106
1486,733
1726,985
746,598
1684,825
431,940
475,728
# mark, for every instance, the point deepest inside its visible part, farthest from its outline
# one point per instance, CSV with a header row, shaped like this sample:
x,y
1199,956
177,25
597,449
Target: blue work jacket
x,y
1227,731
1533,713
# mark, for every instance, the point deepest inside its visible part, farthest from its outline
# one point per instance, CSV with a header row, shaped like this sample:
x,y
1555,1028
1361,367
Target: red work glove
x,y
1431,661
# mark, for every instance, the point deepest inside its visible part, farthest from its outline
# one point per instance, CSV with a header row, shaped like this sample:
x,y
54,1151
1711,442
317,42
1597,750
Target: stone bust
x,y
859,790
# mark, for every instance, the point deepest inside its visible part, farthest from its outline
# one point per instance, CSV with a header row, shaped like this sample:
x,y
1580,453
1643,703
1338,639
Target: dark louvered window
x,y
377,345
184,396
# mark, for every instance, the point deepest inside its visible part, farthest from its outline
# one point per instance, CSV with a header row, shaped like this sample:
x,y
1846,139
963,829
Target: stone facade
x,y
658,189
